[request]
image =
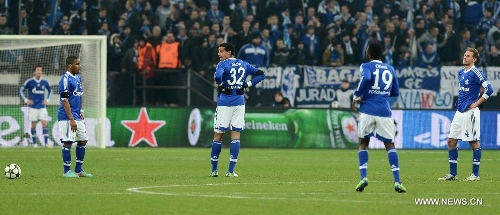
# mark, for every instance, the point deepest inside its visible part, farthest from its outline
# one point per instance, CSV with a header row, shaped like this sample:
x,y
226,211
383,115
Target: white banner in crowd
x,y
449,78
424,99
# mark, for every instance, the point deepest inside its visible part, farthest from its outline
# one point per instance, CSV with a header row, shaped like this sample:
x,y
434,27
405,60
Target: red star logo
x,y
143,129
350,127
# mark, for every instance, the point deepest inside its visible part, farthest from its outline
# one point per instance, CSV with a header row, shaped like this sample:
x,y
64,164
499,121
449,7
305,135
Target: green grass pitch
x,y
271,181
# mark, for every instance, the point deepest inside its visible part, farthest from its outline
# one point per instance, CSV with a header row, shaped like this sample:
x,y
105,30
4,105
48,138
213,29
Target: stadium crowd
x,y
147,35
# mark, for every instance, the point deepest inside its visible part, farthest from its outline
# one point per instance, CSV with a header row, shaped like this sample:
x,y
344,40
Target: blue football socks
x,y
476,160
453,158
234,150
363,163
33,135
45,134
214,155
66,156
80,155
392,155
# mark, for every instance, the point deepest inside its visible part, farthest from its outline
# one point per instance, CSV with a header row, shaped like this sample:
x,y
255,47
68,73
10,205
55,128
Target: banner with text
x,y
408,77
418,78
449,78
423,99
284,79
318,76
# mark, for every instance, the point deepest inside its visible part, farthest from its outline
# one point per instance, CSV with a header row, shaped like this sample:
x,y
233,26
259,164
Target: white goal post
x,y
19,54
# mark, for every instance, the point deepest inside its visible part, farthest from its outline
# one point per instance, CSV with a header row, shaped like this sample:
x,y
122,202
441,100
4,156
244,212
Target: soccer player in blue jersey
x,y
230,77
378,82
36,101
466,122
71,118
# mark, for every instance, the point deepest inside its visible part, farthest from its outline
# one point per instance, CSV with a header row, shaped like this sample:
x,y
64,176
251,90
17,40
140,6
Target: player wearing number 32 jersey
x,y
230,77
378,82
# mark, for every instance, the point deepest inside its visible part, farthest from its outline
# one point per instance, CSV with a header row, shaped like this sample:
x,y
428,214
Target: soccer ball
x,y
335,104
12,171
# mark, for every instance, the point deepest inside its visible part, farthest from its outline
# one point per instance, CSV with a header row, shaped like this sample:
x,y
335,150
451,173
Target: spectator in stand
x,y
493,36
146,63
169,57
449,52
300,54
327,9
278,99
104,30
299,26
64,30
203,16
193,17
156,38
78,21
487,21
214,14
281,55
429,58
243,36
115,53
127,37
494,5
5,29
96,24
254,52
404,59
162,13
333,55
312,44
351,49
493,57
239,14
472,16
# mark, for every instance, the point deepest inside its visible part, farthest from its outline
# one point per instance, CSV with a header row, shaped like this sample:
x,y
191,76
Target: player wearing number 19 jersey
x,y
378,82
230,77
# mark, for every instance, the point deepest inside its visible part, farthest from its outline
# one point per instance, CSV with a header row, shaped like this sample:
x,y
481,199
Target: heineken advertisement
x,y
264,128
273,128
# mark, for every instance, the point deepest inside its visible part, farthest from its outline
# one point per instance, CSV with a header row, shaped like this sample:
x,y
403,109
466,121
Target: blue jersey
x,y
73,85
470,84
378,82
232,73
36,91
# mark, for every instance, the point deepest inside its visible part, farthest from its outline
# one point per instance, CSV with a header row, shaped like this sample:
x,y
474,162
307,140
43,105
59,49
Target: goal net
x,y
18,57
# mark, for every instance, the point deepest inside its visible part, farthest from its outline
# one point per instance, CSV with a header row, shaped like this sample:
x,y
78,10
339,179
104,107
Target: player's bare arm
x,y
67,109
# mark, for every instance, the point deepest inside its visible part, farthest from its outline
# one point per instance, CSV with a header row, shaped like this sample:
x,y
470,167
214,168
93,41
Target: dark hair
x,y
70,60
228,47
38,65
375,51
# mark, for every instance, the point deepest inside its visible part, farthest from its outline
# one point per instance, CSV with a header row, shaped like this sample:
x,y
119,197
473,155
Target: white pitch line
x,y
50,194
265,196
139,190
191,194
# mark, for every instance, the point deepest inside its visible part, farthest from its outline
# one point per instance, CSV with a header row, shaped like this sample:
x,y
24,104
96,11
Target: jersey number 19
x,y
386,78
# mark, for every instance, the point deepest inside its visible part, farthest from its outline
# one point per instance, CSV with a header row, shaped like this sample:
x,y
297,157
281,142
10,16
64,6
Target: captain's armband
x,y
64,95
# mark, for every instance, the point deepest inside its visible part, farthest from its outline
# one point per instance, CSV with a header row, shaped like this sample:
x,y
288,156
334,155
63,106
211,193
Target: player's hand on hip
x,y
29,102
45,102
82,116
473,105
72,124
